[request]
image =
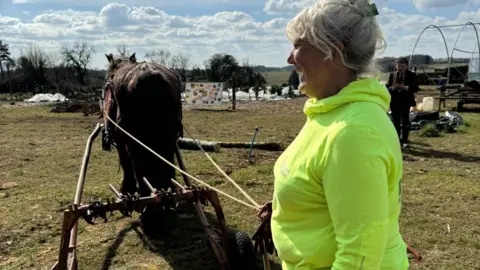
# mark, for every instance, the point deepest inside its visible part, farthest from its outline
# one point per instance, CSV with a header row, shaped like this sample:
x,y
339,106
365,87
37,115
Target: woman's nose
x,y
290,59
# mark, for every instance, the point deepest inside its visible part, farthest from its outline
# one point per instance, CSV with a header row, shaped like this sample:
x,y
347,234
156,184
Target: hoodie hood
x,y
363,90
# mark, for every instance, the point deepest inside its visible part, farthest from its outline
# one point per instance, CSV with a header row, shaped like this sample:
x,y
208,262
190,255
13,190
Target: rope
x,y
223,172
266,262
255,205
178,169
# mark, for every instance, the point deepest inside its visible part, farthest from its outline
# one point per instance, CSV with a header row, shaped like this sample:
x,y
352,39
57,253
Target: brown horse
x,y
144,99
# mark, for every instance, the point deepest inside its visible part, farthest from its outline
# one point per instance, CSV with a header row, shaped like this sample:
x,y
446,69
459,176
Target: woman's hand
x,y
263,235
265,211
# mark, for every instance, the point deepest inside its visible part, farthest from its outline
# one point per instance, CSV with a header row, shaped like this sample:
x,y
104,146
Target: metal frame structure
x,y
222,241
450,53
471,57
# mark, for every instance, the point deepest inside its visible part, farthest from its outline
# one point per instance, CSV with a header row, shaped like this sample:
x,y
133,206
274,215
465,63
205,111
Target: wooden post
x,y
190,144
234,96
251,146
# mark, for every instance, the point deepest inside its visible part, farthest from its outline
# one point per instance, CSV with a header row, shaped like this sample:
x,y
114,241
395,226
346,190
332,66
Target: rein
x,y
262,238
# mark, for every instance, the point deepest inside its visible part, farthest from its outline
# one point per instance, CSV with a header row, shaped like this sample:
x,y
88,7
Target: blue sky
x,y
253,29
197,8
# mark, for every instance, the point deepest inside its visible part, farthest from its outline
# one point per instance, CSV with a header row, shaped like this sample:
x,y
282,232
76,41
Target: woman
x,y
337,192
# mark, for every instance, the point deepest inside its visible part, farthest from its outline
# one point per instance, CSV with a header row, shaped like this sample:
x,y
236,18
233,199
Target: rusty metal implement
x,y
233,249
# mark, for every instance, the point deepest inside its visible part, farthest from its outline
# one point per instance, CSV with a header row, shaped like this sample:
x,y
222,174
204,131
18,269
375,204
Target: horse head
x,y
117,62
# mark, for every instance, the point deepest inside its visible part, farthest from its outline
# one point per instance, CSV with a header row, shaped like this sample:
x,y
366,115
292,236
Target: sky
x,y
247,29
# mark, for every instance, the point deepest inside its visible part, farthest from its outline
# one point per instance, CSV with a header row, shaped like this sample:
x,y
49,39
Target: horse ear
x,y
132,58
109,57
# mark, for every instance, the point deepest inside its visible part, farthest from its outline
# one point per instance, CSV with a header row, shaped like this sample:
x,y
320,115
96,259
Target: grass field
x,y
40,157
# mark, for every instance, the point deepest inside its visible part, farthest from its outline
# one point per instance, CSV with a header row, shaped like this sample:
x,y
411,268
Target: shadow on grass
x,y
178,238
420,144
212,110
431,153
470,110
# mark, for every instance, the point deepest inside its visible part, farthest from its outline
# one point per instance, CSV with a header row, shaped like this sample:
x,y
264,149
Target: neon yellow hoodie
x,y
337,193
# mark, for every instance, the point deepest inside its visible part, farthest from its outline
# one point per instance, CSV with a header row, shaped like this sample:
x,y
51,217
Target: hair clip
x,y
372,10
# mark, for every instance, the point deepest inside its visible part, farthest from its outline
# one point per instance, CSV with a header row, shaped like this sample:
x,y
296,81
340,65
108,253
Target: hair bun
x,y
365,8
350,23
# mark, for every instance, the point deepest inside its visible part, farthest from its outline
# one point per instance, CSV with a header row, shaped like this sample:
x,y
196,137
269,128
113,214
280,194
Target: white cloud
x,y
144,28
402,30
406,33
292,6
6,21
434,4
24,1
156,3
286,6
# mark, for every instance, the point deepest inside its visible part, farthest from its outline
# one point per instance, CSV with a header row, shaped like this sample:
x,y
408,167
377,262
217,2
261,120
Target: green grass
x,y
277,77
40,157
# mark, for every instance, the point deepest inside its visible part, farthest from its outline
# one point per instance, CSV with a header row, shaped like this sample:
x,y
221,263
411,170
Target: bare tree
x,y
4,57
123,50
57,63
181,61
160,56
33,62
245,62
197,73
79,56
174,62
10,65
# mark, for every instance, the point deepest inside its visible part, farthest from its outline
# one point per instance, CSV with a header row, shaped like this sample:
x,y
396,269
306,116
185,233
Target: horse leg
x,y
128,182
156,171
138,167
159,171
128,185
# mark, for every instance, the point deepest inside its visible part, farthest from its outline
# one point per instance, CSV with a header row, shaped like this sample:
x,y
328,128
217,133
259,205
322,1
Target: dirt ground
x,y
40,157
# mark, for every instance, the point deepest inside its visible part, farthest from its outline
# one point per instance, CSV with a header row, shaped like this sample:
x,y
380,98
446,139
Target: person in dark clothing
x,y
402,85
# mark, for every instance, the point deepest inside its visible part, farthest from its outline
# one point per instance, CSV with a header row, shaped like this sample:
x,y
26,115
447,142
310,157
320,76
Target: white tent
x,y
474,69
46,98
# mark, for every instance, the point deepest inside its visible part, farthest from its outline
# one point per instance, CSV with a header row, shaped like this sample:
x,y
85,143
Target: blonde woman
x,y
336,201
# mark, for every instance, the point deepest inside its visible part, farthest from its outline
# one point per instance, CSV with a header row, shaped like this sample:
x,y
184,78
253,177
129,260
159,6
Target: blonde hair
x,y
347,26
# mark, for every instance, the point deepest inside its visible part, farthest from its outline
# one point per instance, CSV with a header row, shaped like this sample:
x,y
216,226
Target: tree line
x,y
387,64
38,70
68,70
